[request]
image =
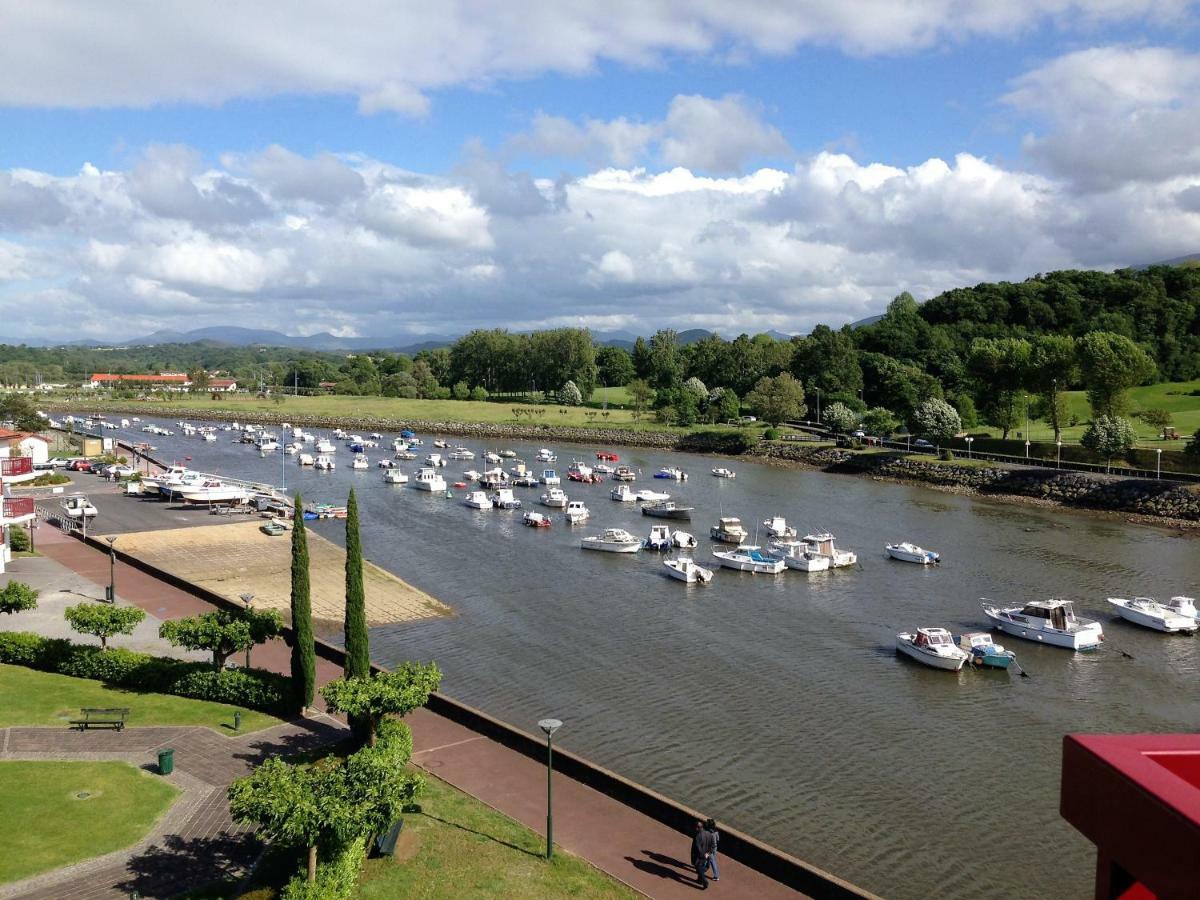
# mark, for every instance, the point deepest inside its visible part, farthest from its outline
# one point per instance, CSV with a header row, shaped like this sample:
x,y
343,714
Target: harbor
x,y
778,703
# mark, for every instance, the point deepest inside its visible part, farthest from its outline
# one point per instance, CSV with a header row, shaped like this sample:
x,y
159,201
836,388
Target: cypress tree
x,y
304,655
358,654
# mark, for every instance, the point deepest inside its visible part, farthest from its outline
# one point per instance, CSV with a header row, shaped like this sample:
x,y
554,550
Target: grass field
x,y
47,824
29,697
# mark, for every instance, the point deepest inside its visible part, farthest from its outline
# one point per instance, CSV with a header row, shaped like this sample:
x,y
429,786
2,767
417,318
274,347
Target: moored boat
x,y
750,559
478,500
624,473
622,493
395,476
984,651
1047,622
429,479
728,530
686,569
550,478
777,527
671,472
796,555
324,462
360,461
504,499
305,459
576,512
684,540
1149,613
822,544
555,498
536,520
660,538
612,540
906,552
668,509
648,496
722,472
933,647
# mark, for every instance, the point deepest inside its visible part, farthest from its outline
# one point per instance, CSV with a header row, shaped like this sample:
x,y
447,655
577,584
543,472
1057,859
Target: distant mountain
x,y
233,335
1192,259
869,320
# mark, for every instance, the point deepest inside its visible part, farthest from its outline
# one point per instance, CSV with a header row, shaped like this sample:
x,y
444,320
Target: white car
x,y
55,462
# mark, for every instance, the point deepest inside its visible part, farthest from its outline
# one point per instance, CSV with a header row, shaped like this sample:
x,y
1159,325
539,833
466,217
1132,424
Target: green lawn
x,y
46,824
30,697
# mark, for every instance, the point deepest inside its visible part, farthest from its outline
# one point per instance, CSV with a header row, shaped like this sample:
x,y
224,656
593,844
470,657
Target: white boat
x,y
470,475
1185,606
576,512
907,552
550,478
622,493
293,448
360,461
684,540
266,444
462,453
324,445
478,500
545,455
536,520
305,459
405,455
78,508
508,454
504,499
822,545
386,464
338,433
722,472
440,443
1148,613
648,496
165,480
492,457
395,476
750,559
210,438
728,530
933,647
796,555
660,538
613,540
624,473
429,480
603,469
213,491
494,478
324,462
777,527
686,569
435,460
671,472
1047,622
555,498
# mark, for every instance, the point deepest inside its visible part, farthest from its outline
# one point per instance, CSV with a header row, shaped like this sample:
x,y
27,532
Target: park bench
x,y
385,844
101,718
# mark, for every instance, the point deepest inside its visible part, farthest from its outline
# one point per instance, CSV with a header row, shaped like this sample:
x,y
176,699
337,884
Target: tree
x,y
616,366
569,395
17,596
696,388
839,417
460,391
1192,448
396,693
1001,366
304,654
1109,436
722,405
1111,364
828,360
1156,418
200,380
222,633
666,367
937,420
358,652
19,409
777,399
640,393
479,393
1052,369
879,422
103,621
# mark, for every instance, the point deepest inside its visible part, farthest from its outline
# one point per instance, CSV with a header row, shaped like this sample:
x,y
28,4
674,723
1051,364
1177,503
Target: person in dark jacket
x,y
702,850
711,827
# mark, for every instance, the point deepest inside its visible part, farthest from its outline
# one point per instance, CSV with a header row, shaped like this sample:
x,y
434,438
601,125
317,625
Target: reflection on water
x,y
779,704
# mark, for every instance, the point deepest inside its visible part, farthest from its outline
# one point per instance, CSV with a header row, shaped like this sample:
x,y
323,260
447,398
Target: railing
x,y
20,465
15,507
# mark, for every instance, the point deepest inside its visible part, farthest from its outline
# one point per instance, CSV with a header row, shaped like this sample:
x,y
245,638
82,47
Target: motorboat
x,y
822,545
209,437
435,460
1047,622
624,473
470,475
622,493
535,520
545,455
907,552
293,448
933,647
386,464
777,527
324,445
526,480
440,443
722,472
603,469
660,538
684,540
405,455
550,478
429,479
394,476
606,456
78,508
339,433
504,499
163,481
576,512
360,461
750,559
478,500
461,453
728,530
582,473
686,569
671,472
213,491
492,457
1148,613
494,478
984,651
1185,606
668,509
508,454
612,540
324,463
796,555
305,459
555,498
266,444
648,496
356,446
376,436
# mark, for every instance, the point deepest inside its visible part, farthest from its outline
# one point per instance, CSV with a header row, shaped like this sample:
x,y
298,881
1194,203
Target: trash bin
x,y
166,761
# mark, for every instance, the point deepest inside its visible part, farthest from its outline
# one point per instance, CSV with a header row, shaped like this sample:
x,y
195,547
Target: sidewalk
x,y
615,838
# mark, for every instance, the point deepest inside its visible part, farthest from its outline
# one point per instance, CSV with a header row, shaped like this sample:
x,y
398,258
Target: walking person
x,y
702,849
711,827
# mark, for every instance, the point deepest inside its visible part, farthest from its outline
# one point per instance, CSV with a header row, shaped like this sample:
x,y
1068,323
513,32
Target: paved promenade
x,y
617,839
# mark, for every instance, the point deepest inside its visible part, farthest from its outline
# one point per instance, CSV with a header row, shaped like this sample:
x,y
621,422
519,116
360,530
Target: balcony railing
x,y
21,465
15,507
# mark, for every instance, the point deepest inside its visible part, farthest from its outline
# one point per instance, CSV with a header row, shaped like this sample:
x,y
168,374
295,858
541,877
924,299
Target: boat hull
x,y
611,547
1079,640
684,515
1169,623
933,660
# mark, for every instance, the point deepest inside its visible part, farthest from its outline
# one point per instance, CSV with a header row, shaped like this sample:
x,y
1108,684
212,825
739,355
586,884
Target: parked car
x,y
55,462
120,471
80,465
922,444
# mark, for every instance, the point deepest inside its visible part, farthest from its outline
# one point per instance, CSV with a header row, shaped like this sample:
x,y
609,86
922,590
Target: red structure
x,y
20,465
16,507
1137,798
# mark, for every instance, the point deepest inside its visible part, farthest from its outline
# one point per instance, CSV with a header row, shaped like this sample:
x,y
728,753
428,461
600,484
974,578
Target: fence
x,y
19,465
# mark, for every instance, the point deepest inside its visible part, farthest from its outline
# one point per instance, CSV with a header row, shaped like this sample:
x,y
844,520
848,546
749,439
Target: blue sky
x,y
403,172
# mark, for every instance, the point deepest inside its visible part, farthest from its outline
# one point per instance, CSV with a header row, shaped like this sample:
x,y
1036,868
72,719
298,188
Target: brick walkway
x,y
195,842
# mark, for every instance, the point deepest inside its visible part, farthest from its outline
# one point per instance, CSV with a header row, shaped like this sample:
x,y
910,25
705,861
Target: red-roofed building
x,y
222,385
22,445
168,380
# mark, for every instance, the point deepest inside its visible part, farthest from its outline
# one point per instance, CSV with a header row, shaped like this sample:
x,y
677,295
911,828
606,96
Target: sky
x,y
401,169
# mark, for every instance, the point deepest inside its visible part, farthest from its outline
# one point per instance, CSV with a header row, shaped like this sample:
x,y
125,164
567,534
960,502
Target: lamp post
x,y
818,406
1027,449
549,726
112,568
1158,463
246,598
1058,455
969,441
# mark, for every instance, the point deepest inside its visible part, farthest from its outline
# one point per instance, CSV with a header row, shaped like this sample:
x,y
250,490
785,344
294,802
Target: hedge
x,y
336,879
253,688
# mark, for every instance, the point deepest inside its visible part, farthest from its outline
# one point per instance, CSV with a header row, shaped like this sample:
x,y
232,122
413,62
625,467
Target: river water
x,y
779,704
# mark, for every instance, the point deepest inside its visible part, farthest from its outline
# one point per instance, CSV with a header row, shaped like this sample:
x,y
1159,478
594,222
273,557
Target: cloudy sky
x,y
406,168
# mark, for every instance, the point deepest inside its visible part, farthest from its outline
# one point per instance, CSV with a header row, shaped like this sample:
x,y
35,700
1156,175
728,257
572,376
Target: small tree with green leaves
x,y
17,596
839,417
937,420
569,394
102,620
304,648
774,400
722,405
641,394
396,693
1155,418
1110,437
222,633
696,388
879,421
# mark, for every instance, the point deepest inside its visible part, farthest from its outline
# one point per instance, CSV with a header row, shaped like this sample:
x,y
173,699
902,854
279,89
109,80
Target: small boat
x,y
796,555
686,569
375,435
624,473
210,438
324,445
508,454
777,527
266,444
360,461
648,496
323,462
338,433
555,498
492,457
603,469
535,520
550,478
461,453
544,455
684,540
613,540
386,464
293,448
622,494
428,479
305,459
606,456
356,446
78,508
722,472
750,559
213,491
324,511
405,454
672,473
440,444
576,512
728,530
478,500
504,499
984,651
435,460
582,473
1185,606
933,647
1148,613
660,538
907,552
1047,622
526,480
394,476
274,529
668,509
470,475
493,478
822,545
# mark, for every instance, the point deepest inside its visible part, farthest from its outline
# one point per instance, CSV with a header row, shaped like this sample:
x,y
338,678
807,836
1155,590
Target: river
x,y
779,704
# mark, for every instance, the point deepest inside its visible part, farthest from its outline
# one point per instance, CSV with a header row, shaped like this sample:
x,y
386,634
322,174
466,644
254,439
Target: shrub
x,y
460,391
479,393
22,648
18,539
839,417
1193,446
946,454
103,621
16,596
336,879
254,688
569,395
771,434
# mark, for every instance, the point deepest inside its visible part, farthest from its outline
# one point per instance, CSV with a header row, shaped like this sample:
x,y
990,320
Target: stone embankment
x,y
1141,496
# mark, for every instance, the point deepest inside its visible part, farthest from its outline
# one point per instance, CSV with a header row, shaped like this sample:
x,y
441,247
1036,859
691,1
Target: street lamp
x,y
246,598
818,405
1158,463
1027,449
549,726
969,441
112,569
1058,455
